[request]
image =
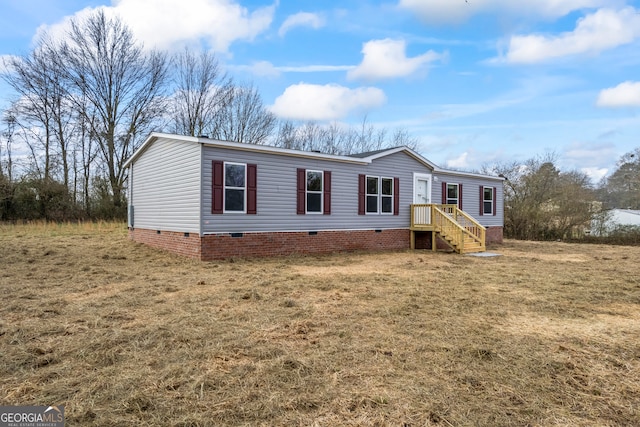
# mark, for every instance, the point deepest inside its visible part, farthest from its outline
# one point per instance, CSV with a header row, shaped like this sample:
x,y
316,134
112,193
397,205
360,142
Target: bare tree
x,y
41,106
575,205
202,93
402,138
340,140
622,188
245,118
85,152
9,120
542,202
286,136
122,85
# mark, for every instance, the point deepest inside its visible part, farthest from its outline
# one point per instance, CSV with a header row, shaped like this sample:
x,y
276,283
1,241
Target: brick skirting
x,y
493,235
246,245
186,244
217,246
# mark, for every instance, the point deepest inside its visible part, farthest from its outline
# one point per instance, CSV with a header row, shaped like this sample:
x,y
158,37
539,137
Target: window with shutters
x,y
313,192
380,195
234,188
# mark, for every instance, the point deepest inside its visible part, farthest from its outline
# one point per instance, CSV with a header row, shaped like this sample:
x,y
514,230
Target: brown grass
x,y
546,335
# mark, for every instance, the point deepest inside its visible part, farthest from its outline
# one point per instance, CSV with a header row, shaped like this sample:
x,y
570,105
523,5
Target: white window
x,y
235,187
379,197
487,200
452,194
372,194
315,180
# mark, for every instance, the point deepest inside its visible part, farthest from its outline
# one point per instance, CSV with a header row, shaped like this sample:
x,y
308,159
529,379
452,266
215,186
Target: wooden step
x,y
470,244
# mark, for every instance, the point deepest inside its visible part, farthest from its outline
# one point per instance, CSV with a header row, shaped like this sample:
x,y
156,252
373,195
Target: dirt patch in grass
x,y
546,334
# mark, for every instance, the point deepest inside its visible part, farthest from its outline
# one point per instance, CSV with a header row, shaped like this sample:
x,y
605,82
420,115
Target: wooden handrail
x,y
449,221
445,224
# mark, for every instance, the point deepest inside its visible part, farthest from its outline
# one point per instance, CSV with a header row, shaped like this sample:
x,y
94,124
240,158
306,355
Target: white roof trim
x,y
428,163
297,153
281,151
408,150
469,174
244,147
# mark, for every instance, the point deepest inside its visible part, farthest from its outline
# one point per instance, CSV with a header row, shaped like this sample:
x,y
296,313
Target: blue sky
x,y
475,81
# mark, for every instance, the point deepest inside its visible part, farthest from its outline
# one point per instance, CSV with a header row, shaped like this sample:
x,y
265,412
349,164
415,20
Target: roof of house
x,y
361,158
625,216
371,153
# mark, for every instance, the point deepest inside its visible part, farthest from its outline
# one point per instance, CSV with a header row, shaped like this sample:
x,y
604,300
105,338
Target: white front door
x,y
422,189
421,196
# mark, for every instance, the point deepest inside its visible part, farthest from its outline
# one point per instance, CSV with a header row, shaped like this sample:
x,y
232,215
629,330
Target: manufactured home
x,y
213,199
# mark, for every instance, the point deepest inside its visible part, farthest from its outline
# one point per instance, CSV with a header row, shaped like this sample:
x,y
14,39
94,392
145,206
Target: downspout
x,y
201,191
130,209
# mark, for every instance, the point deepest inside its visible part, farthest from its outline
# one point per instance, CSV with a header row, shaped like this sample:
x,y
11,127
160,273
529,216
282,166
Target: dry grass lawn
x,y
546,335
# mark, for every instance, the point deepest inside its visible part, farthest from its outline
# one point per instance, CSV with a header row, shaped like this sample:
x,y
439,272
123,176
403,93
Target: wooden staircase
x,y
454,226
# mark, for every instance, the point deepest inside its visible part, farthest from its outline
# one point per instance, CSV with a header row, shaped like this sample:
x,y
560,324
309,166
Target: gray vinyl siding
x,y
276,193
471,196
165,186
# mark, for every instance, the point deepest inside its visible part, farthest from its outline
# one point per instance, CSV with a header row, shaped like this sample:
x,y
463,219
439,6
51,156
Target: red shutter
x,y
302,192
481,200
460,196
327,193
495,201
361,194
217,187
252,189
444,193
396,196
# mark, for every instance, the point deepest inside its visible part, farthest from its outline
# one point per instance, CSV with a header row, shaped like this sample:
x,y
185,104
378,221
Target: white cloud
x,y
460,162
384,59
316,68
4,61
59,31
302,19
587,153
626,94
304,101
267,69
595,174
166,24
594,33
589,158
262,69
448,11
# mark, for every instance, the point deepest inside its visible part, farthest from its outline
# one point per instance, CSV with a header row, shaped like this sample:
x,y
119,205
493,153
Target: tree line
x,y
84,103
543,202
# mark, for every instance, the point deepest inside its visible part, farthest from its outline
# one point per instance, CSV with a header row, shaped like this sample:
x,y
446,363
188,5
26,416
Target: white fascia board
x,y
431,165
281,151
408,150
245,147
150,139
304,154
468,174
